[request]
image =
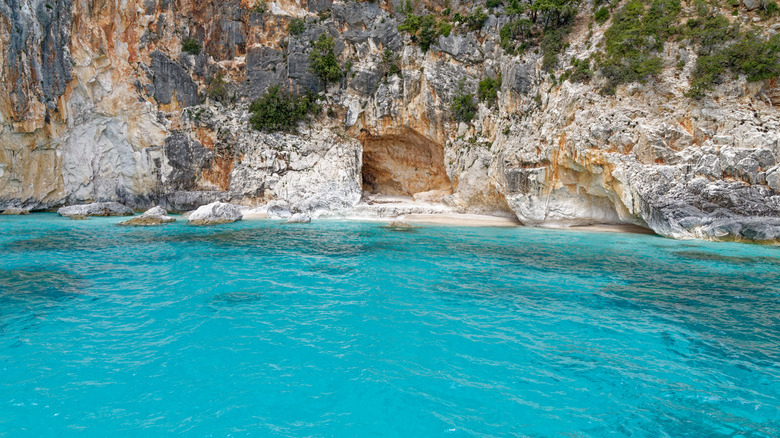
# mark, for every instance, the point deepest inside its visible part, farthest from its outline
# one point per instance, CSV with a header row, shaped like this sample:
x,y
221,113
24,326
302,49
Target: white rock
x,y
153,216
299,218
215,213
96,209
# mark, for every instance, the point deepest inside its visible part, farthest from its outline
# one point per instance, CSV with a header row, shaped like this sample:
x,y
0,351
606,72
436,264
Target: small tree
x,y
323,62
463,106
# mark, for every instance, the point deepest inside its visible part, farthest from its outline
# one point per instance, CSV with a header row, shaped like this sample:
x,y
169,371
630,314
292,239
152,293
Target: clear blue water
x,y
348,329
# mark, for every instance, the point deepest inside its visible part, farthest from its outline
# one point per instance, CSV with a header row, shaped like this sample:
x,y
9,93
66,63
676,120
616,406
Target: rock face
x,y
99,103
153,216
96,209
215,213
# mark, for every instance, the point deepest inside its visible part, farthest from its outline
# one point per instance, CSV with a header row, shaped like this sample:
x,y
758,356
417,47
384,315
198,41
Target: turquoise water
x,y
349,329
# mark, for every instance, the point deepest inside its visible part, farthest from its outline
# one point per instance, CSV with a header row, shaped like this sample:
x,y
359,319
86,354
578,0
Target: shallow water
x,y
350,329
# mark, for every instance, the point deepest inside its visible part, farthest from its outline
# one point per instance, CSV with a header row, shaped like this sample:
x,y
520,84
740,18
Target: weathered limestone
x,y
153,216
214,214
95,209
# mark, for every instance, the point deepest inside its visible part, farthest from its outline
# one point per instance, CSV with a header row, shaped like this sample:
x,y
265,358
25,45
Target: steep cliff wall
x,y
99,102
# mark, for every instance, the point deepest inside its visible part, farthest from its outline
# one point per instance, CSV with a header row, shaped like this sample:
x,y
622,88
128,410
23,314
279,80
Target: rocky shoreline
x,y
129,116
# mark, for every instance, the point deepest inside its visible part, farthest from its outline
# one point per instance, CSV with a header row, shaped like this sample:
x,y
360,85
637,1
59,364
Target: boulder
x,y
14,211
299,218
153,216
95,209
278,210
215,213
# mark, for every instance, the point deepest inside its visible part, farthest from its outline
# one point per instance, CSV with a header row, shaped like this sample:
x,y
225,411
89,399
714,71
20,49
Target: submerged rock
x,y
95,209
153,216
13,211
299,218
399,225
215,213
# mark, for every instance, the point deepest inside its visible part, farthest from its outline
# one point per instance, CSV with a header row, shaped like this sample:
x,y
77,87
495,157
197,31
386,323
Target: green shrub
x,y
551,45
297,26
493,3
260,7
581,71
217,88
638,32
553,13
473,21
770,8
756,58
322,61
463,106
280,110
517,30
445,28
389,63
428,32
424,29
487,91
515,7
602,15
191,46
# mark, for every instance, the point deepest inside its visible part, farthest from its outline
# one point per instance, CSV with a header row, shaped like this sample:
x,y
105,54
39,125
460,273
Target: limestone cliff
x,y
98,102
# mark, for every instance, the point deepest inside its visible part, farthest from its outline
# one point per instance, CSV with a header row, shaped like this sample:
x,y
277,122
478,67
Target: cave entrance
x,y
403,164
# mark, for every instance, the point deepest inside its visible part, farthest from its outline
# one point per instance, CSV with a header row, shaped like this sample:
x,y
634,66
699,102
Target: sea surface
x,y
348,329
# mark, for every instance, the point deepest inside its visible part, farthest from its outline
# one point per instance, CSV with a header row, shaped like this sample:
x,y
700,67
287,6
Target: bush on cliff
x,y
323,62
191,46
296,27
424,29
633,41
281,110
487,91
463,106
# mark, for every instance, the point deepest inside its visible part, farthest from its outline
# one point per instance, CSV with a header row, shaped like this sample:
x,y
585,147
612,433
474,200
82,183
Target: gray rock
x,y
153,216
37,55
464,48
171,79
186,159
299,218
215,213
14,211
519,79
365,82
264,67
751,5
773,179
95,209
